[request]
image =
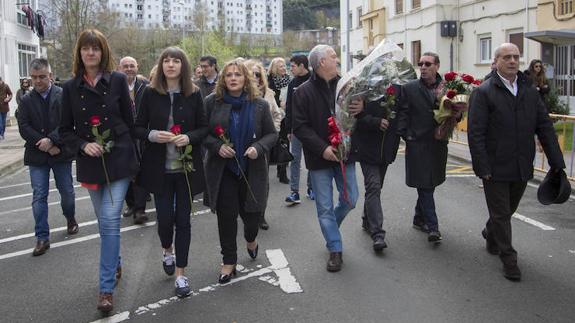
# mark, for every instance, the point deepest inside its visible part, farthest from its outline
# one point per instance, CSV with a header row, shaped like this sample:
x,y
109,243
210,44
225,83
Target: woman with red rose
x,y
98,97
170,118
242,135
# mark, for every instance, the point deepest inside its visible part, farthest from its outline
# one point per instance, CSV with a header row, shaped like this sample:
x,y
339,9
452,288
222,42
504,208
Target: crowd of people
x,y
188,130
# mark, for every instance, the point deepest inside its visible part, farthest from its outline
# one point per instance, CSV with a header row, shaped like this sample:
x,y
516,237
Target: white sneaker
x,y
183,287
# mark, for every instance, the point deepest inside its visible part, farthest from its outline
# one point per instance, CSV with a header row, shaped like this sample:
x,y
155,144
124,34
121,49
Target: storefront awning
x,y
555,37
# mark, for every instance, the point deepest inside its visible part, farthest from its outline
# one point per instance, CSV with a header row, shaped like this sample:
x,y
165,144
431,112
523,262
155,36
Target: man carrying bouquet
x,y
505,112
314,104
425,156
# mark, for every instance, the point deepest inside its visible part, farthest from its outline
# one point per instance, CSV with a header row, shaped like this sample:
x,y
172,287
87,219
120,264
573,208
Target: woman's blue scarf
x,y
241,128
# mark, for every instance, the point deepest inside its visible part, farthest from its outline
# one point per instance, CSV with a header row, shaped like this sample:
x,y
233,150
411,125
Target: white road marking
x,y
13,197
278,262
49,204
115,319
538,224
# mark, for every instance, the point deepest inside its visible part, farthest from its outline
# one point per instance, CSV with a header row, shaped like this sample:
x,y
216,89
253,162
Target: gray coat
x,y
218,113
425,157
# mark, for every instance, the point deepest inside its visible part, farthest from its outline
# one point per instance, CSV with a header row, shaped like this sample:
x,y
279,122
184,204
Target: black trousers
x,y
136,197
175,186
373,176
231,200
502,201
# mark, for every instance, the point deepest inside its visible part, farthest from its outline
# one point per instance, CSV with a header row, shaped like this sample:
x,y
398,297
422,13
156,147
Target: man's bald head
x,y
507,60
129,66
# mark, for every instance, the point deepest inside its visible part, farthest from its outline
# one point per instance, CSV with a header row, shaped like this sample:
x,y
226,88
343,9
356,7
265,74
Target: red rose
x,y
390,90
332,125
450,76
451,93
176,129
335,140
95,121
477,82
467,78
219,130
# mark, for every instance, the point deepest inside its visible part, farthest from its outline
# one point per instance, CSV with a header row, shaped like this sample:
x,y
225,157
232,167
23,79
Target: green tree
x,y
298,15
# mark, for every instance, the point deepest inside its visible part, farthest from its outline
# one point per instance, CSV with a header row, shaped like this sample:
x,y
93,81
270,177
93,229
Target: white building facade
x,y
18,43
238,16
478,27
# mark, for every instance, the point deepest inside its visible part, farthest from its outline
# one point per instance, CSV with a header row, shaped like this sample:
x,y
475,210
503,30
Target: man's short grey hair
x,y
40,63
316,54
500,48
434,55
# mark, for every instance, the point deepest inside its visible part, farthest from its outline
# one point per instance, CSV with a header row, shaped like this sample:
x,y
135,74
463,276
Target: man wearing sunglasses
x,y
425,156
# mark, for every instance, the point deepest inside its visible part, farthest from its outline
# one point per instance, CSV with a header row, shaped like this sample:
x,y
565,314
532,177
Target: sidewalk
x,y
11,151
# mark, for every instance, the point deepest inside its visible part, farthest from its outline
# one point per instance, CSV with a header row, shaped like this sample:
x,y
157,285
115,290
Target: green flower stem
x,y
245,179
189,191
107,179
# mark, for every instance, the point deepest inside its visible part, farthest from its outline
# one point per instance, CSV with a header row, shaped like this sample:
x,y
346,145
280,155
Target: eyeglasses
x,y
204,66
257,74
537,66
427,64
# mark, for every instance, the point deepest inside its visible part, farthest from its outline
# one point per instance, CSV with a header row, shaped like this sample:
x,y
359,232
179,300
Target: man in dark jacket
x,y
377,141
300,71
5,97
136,196
314,103
39,117
207,82
425,156
505,112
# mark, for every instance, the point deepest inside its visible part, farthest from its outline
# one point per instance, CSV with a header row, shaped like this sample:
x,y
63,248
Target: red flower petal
x,y
95,121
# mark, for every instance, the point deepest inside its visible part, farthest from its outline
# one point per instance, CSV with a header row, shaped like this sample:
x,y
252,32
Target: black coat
x,y
206,88
153,115
425,156
368,137
139,88
501,130
32,124
292,86
257,172
314,103
110,100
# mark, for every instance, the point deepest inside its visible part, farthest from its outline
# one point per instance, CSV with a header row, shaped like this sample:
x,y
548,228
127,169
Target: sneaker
x,y
434,236
293,199
169,264
182,287
310,194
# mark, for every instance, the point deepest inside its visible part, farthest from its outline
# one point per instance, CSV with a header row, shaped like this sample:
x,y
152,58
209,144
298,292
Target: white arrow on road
x,y
278,265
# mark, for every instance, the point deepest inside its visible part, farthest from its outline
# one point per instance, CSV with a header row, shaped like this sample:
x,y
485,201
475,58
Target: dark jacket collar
x,y
79,79
522,79
316,79
438,80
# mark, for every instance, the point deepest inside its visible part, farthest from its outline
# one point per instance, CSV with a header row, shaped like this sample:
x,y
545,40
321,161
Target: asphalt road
x,y
412,281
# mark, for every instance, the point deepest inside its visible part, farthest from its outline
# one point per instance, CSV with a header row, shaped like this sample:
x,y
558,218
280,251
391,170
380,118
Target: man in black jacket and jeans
x,y
314,103
505,112
38,121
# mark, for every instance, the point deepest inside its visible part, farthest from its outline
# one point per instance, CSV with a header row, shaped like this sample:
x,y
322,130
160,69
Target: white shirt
x,y
512,87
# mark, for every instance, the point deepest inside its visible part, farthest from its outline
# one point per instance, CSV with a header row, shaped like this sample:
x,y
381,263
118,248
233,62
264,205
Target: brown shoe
x,y
105,302
335,261
41,247
140,217
73,227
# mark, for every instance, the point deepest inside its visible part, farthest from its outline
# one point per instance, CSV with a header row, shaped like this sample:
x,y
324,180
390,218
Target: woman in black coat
x,y
170,120
97,101
241,135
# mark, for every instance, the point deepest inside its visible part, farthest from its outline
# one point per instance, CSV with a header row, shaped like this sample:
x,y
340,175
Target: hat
x,y
555,188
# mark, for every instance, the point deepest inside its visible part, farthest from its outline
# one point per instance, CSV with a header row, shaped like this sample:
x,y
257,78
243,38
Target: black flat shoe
x,y
253,253
225,278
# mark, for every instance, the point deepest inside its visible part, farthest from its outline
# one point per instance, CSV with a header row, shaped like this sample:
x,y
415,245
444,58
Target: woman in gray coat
x,y
241,135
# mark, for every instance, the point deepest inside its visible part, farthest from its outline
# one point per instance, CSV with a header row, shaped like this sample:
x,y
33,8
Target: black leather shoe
x,y
512,272
41,247
335,261
253,253
263,224
128,212
434,237
379,244
364,224
140,217
226,278
421,226
489,244
73,227
284,179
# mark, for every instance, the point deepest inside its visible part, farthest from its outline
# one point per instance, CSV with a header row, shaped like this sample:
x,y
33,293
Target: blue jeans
x,y
295,165
3,122
425,208
329,218
109,225
40,179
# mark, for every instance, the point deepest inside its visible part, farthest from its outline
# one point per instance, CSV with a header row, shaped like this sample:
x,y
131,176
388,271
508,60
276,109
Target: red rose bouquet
x,y
336,141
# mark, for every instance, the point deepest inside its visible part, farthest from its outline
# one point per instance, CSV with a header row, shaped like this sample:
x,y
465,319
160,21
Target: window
x,y
485,49
359,13
415,4
517,39
21,18
26,54
398,7
415,51
565,7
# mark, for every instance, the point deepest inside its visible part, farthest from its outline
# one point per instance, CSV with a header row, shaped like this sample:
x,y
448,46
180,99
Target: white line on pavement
x,y
533,222
29,235
49,204
114,319
13,197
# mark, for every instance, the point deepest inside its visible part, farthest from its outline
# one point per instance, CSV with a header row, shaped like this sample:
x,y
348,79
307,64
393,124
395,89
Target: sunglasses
x,y
427,64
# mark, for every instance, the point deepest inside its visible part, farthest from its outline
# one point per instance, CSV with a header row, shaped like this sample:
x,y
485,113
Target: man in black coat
x,y
136,196
207,82
39,117
314,103
425,156
376,138
505,112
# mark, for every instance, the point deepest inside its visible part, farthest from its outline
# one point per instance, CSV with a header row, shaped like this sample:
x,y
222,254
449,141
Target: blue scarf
x,y
241,128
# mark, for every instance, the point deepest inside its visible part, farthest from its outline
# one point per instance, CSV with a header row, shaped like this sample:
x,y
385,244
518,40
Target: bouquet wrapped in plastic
x,y
370,79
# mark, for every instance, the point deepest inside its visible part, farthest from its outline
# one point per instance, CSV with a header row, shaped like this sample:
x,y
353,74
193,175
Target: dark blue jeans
x,y
40,179
3,116
425,208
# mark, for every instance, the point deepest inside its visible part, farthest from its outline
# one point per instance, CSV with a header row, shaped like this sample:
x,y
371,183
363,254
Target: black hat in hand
x,y
555,188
